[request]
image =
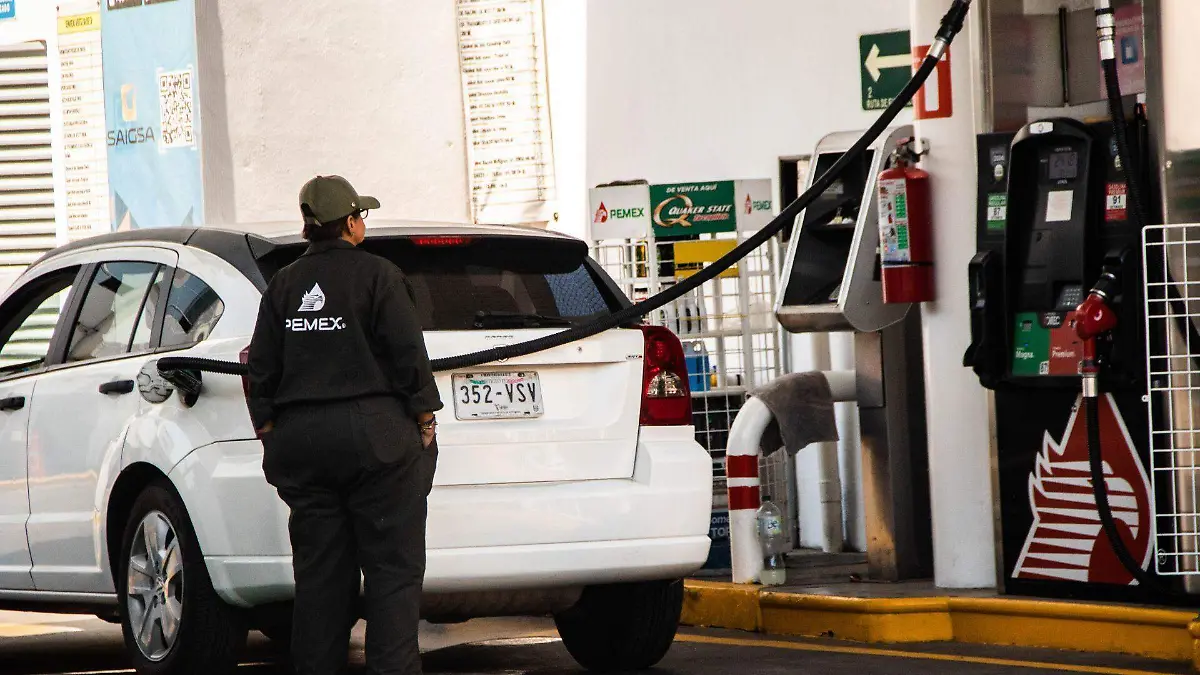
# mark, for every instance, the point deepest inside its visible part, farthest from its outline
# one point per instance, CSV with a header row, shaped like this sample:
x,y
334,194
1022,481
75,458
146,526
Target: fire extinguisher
x,y
905,231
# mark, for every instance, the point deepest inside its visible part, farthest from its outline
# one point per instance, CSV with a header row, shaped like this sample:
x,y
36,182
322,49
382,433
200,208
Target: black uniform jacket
x,y
338,324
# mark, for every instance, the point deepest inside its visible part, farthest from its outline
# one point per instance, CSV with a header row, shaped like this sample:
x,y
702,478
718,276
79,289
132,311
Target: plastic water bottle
x,y
774,544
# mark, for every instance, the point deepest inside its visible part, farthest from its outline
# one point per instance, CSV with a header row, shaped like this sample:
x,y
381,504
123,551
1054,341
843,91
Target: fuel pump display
x,y
1054,193
1051,216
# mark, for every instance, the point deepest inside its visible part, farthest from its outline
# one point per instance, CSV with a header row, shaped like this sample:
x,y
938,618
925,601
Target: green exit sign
x,y
885,66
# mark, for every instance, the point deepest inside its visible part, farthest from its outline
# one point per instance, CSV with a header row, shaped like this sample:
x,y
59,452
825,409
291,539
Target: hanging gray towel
x,y
802,405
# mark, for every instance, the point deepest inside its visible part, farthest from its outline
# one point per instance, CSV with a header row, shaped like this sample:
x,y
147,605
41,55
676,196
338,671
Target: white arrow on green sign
x,y
885,66
877,63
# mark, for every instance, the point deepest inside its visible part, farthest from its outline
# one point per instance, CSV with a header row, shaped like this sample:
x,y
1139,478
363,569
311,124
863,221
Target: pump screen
x,y
1064,165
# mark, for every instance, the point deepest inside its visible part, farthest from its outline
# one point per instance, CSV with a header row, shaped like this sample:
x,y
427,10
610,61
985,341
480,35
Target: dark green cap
x,y
328,198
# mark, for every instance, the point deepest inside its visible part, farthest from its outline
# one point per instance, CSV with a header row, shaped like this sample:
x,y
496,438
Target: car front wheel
x,y
172,619
622,626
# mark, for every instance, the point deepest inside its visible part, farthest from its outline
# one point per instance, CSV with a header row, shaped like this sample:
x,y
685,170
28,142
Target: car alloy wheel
x,y
155,588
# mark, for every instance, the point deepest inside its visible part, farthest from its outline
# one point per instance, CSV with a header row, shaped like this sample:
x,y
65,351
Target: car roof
x,y
281,231
241,244
214,237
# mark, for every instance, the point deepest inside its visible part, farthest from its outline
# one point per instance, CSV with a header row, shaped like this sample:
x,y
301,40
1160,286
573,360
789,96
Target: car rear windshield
x,y
481,283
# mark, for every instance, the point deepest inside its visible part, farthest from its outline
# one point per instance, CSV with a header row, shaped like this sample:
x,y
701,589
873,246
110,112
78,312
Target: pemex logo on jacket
x,y
313,300
1066,541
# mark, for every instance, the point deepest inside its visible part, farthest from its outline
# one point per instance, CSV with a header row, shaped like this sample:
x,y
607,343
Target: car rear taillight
x,y
442,240
666,399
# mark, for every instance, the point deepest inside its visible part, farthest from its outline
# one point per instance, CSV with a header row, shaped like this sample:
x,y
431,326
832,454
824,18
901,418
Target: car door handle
x,y
117,387
12,403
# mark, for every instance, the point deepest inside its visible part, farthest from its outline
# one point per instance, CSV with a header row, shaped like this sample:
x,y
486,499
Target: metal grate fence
x,y
1172,303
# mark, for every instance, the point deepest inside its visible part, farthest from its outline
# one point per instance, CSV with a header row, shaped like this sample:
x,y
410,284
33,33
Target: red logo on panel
x,y
601,214
1066,349
1066,542
935,100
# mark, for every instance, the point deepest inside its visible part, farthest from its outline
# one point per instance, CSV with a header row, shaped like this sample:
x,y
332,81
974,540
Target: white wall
x,y
368,90
684,90
566,56
692,89
960,471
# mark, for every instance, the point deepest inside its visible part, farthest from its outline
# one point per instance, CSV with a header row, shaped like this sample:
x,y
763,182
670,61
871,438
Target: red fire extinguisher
x,y
905,232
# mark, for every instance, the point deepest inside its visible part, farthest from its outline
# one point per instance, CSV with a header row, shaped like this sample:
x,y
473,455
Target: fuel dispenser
x,y
1054,220
833,281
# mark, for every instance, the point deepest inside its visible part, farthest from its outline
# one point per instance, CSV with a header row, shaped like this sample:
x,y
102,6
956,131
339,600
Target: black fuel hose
x,y
1116,110
1108,523
1116,107
951,24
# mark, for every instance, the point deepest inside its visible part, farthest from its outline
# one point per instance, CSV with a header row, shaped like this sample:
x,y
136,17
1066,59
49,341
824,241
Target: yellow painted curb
x,y
858,619
1154,633
716,605
1194,630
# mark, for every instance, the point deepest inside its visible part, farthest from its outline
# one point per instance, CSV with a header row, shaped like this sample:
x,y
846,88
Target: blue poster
x,y
152,112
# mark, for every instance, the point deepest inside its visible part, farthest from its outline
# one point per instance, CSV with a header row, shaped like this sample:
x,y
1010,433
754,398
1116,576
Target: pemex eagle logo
x,y
313,300
1066,541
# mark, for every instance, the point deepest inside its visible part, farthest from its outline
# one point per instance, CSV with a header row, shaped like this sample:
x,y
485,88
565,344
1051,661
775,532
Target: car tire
x,y
622,627
174,623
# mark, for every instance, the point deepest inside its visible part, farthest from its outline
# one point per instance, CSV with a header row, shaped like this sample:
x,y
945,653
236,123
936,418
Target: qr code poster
x,y
176,109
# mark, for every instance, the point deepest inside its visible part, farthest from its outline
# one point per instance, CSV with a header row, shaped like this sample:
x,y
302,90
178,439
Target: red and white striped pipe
x,y
743,484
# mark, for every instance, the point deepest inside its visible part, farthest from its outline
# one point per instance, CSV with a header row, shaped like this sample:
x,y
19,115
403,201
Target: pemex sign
x,y
680,209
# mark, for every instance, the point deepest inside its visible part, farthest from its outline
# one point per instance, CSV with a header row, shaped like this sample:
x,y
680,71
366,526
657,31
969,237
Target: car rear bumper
x,y
653,525
249,581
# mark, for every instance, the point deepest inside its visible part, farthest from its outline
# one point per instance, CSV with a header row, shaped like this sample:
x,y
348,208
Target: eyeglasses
x,y
363,214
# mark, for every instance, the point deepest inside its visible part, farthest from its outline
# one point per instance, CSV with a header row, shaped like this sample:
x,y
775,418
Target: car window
x,y
34,313
450,297
110,310
456,279
193,310
143,331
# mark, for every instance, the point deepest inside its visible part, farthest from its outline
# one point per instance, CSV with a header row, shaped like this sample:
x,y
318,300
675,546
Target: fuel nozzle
x,y
1096,317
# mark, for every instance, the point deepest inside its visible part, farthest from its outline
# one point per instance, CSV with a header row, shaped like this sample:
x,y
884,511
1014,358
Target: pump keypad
x,y
1069,297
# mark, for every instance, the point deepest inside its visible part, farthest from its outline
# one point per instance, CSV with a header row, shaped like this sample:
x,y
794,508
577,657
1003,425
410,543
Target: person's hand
x,y
427,423
266,429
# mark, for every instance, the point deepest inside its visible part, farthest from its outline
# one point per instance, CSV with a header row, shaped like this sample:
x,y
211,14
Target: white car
x,y
123,497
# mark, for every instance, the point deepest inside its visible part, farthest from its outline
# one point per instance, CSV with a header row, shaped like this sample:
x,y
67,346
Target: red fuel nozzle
x,y
1094,318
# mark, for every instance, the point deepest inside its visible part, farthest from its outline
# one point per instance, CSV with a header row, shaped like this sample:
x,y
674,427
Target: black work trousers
x,y
356,477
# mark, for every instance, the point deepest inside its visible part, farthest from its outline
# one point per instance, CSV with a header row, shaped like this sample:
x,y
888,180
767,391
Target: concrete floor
x,y
52,645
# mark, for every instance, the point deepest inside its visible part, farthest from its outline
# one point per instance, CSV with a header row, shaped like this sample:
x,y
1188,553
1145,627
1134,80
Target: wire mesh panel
x,y
727,326
1172,298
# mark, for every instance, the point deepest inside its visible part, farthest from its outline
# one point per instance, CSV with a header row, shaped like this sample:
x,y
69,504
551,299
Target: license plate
x,y
492,396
